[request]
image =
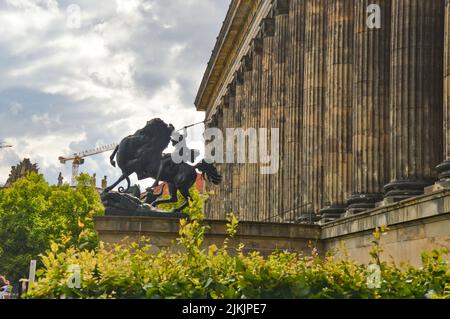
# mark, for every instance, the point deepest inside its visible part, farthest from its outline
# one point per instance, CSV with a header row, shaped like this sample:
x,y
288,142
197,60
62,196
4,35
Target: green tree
x,y
33,214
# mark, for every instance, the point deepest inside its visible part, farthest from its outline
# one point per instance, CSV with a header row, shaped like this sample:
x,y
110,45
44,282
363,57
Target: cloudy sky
x,y
79,74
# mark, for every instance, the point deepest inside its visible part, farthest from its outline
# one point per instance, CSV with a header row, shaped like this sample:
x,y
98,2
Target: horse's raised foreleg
x,y
187,196
173,197
120,180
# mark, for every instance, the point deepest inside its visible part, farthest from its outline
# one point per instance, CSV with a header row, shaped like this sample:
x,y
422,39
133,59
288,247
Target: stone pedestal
x,y
155,214
308,219
331,212
402,189
358,203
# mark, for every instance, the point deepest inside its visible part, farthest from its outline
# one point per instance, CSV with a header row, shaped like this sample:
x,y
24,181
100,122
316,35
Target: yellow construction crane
x,y
78,158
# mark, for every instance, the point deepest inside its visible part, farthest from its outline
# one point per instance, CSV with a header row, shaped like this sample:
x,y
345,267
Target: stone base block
x,y
436,187
402,189
390,200
359,203
308,219
332,212
444,170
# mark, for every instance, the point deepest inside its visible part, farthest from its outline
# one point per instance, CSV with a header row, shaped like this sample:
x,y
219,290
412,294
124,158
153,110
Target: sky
x,y
79,74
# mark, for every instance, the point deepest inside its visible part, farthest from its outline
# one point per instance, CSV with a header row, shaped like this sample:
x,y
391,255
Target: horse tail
x,y
210,171
111,158
123,190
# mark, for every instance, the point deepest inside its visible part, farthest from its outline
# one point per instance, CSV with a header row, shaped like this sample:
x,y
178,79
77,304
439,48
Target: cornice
x,y
241,25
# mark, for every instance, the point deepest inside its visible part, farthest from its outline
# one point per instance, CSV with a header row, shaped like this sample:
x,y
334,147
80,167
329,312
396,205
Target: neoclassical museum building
x,y
359,90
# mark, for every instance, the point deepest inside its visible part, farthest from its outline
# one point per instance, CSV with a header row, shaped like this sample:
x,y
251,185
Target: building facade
x,y
359,90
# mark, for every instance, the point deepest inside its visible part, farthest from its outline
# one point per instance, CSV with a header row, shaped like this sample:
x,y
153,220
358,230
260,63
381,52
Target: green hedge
x,y
137,271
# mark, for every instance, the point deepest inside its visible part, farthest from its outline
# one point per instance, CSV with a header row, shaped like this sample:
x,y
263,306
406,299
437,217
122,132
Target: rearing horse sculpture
x,y
142,152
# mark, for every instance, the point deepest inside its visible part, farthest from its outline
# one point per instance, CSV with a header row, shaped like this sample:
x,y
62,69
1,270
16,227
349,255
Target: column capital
x,y
226,100
247,63
239,76
256,45
220,110
281,7
268,27
231,89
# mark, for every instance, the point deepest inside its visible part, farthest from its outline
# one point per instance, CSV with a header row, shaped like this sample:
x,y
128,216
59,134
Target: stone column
x,y
314,103
229,102
220,204
211,209
415,96
256,49
268,32
234,183
225,189
444,168
238,183
338,122
370,107
277,186
208,203
294,111
246,198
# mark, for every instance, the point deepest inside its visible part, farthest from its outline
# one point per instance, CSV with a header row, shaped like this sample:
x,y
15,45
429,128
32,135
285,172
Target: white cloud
x,y
64,90
46,120
15,107
129,7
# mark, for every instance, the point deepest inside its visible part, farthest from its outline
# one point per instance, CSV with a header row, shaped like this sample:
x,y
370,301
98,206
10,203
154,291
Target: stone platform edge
x,y
154,225
407,212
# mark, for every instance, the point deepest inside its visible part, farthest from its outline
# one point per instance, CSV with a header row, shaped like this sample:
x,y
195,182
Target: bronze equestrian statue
x,y
142,153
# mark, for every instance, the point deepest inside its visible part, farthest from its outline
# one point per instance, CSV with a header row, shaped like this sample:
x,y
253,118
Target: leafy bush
x,y
33,214
195,208
189,271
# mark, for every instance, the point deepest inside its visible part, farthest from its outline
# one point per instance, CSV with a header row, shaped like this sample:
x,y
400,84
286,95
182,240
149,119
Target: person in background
x,y
5,288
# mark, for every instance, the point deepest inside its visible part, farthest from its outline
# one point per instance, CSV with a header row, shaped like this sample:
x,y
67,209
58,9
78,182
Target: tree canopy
x,y
33,214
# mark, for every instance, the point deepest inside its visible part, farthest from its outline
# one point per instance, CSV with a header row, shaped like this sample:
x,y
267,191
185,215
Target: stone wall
x,y
415,225
263,237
